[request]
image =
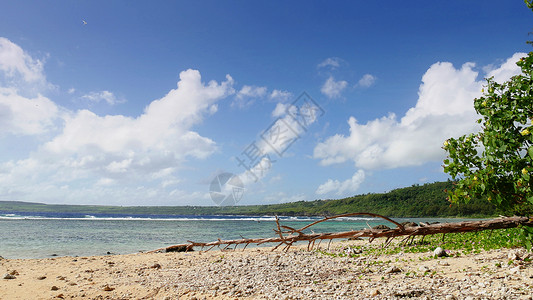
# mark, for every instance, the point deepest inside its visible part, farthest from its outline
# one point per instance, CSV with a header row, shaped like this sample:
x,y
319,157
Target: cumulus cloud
x,y
444,109
247,95
506,70
331,62
341,188
252,91
15,62
106,96
161,136
366,81
281,96
25,116
23,109
333,89
92,158
279,110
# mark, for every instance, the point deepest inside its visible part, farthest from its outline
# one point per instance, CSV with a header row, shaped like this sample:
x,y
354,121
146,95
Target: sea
x,y
47,234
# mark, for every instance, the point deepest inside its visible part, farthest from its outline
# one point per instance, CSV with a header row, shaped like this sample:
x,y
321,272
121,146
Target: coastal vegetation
x,y
427,200
496,163
456,244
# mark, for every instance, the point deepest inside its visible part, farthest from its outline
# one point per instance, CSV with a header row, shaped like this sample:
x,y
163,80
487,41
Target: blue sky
x,y
144,103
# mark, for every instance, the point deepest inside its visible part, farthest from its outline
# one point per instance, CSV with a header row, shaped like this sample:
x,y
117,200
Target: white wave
x,y
192,218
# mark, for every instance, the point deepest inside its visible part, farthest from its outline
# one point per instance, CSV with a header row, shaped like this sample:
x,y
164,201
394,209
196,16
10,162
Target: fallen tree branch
x,y
296,235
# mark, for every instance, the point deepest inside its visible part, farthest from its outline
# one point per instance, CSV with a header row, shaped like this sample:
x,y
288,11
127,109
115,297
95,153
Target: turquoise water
x,y
44,236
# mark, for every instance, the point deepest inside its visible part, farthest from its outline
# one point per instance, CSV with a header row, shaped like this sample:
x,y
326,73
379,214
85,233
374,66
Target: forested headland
x,y
427,200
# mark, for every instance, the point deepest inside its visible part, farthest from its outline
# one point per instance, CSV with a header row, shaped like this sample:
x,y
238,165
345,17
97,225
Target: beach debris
x,y
179,248
14,272
107,288
41,277
287,236
156,266
439,252
54,288
9,276
393,269
409,294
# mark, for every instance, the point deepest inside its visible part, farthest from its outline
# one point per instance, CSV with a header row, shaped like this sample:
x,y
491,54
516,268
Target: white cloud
x,y
161,134
444,109
507,69
96,158
341,188
252,91
282,197
25,116
332,62
15,62
23,110
247,95
111,159
281,96
333,89
106,96
280,110
366,81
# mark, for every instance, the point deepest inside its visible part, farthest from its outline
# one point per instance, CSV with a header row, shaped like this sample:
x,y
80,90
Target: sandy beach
x,y
259,273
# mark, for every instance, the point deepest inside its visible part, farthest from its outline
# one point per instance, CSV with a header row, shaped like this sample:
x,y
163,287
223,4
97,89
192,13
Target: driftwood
x,y
287,236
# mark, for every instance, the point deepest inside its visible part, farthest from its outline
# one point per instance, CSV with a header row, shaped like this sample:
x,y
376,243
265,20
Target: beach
x,y
260,273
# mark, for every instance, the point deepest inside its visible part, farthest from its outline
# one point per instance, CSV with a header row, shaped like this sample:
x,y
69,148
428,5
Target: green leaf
x,y
530,152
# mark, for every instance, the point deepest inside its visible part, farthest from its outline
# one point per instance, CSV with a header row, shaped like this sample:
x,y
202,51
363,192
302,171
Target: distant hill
x,y
428,200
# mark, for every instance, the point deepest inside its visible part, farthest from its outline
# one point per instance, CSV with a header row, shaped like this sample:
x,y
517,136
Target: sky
x,y
151,102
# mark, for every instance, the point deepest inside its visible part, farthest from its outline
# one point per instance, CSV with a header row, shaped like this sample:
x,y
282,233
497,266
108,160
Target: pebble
x,y
439,252
424,269
156,266
513,255
107,288
393,269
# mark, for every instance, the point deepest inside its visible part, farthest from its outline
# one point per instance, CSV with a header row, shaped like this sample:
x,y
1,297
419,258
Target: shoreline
x,y
259,273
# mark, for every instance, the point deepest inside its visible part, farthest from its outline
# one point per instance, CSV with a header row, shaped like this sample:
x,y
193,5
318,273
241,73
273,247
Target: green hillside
x,y
428,200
